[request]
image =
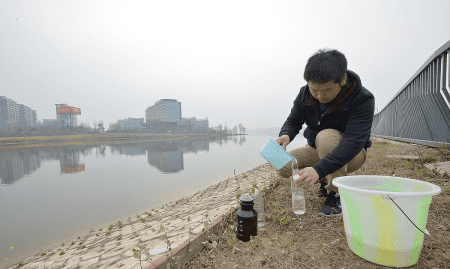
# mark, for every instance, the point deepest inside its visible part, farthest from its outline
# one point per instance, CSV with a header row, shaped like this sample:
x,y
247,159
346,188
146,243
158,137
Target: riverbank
x,y
284,240
112,246
93,139
320,242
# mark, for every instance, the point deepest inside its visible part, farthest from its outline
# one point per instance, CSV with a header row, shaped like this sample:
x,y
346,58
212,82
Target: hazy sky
x,y
230,61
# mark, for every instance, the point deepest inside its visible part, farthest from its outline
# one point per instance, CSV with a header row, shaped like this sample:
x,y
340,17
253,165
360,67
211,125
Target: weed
x,y
169,246
108,233
423,172
288,242
62,245
119,238
96,234
143,220
73,243
110,227
43,253
446,186
407,164
137,253
81,243
254,187
6,253
443,148
61,253
101,229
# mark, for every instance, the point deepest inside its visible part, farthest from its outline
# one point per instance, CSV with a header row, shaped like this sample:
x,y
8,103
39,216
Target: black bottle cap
x,y
246,200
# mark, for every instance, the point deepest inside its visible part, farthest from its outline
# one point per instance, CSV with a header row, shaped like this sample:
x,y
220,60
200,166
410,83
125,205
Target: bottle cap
x,y
246,200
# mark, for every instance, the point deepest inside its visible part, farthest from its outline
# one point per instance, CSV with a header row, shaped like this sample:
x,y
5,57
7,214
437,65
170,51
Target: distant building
x,y
9,110
63,118
201,124
193,123
130,123
25,116
34,118
164,110
67,115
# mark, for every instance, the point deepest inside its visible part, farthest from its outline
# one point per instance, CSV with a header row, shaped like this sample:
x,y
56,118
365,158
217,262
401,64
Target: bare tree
x,y
240,128
100,126
235,129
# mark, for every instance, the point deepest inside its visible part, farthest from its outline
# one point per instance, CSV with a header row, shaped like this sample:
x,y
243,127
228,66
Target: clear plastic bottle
x,y
259,207
298,197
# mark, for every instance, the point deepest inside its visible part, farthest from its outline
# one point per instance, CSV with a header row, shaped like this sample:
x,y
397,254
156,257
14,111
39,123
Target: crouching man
x,y
338,112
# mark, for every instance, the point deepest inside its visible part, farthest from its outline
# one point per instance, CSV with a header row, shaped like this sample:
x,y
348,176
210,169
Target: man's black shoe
x,y
322,192
332,206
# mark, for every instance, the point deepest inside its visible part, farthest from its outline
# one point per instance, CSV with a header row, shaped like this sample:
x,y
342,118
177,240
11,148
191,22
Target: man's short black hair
x,y
324,66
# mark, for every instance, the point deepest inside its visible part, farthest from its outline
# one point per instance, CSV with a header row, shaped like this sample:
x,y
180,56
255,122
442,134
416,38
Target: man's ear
x,y
344,80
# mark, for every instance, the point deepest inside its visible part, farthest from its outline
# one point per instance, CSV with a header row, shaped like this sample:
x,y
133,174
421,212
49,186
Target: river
x,y
52,195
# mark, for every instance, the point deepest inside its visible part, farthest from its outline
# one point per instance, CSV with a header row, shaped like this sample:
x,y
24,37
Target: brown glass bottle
x,y
246,219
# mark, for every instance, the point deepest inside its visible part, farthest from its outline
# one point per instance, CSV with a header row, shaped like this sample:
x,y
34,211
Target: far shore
x,y
96,138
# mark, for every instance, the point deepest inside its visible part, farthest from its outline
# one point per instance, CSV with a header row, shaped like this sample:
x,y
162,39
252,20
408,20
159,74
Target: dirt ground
x,y
319,242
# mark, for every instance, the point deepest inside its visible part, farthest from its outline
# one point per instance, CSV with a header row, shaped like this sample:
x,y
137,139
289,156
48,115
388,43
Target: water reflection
x,y
166,156
70,161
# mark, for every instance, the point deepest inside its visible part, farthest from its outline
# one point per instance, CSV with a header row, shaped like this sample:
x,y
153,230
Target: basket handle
x,y
427,233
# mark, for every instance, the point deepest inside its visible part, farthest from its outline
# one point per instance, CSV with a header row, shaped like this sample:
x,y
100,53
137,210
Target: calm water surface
x,y
53,195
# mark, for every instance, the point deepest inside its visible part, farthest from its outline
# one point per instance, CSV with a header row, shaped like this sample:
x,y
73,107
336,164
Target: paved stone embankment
x,y
112,248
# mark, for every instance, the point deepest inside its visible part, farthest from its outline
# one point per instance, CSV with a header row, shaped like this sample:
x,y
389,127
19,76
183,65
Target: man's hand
x,y
308,176
283,140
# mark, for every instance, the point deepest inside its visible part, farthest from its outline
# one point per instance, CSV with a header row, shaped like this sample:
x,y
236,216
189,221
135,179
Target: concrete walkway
x,y
182,218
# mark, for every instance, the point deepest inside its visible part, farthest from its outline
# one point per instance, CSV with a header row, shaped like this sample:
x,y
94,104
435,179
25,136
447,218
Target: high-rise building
x,y
164,110
34,117
62,118
67,115
9,110
25,116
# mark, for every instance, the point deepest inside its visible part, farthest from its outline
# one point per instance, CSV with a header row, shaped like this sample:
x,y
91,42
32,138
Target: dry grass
x,y
319,242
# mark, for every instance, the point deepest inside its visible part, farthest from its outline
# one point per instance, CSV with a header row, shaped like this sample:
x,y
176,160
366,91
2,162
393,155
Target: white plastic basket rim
x,y
340,183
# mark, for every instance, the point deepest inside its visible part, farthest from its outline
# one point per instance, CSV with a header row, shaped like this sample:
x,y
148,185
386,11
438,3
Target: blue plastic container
x,y
275,154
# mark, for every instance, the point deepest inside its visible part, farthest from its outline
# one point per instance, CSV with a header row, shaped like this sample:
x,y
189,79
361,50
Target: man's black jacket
x,y
351,113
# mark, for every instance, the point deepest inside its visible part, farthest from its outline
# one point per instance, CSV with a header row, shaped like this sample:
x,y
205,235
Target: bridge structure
x,y
420,111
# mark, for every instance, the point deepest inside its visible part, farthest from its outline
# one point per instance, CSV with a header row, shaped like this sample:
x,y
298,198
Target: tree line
x,y
60,128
